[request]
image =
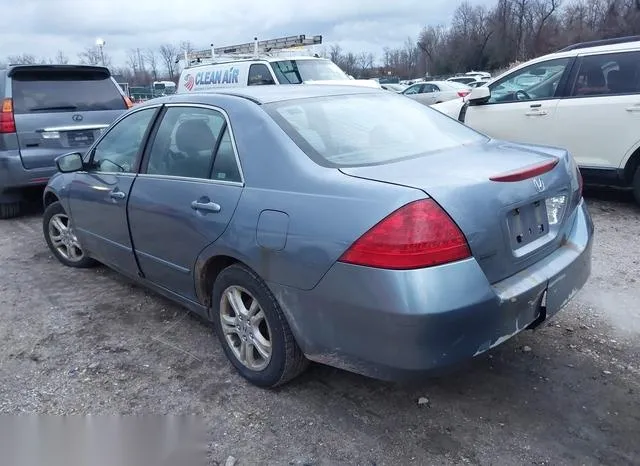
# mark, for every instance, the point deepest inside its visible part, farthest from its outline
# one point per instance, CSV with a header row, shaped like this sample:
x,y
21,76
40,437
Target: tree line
x,y
141,67
490,39
478,38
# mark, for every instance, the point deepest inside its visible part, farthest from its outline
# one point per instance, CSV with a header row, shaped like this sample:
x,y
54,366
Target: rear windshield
x,y
367,129
297,71
47,91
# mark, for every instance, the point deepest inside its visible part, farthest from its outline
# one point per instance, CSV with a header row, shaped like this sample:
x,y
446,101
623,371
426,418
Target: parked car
x,y
463,79
435,92
585,98
344,225
48,110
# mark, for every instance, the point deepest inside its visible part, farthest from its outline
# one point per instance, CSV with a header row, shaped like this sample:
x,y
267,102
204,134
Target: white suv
x,y
584,98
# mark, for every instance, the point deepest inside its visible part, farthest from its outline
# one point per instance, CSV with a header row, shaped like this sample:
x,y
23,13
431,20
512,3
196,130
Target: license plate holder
x,y
527,224
80,138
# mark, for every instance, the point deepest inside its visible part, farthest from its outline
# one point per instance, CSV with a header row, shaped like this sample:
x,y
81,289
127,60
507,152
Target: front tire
x,y
61,238
253,330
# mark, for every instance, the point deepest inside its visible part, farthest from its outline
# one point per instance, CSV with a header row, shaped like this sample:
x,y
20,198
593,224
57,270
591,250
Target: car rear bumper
x,y
391,324
13,176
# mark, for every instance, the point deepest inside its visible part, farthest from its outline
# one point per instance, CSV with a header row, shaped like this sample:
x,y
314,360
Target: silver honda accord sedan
x,y
347,226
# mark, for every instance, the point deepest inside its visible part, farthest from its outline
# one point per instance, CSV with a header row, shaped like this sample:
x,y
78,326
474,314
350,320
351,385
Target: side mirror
x,y
71,162
479,95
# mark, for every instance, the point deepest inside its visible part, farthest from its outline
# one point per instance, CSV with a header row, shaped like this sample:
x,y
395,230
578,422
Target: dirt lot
x,y
569,393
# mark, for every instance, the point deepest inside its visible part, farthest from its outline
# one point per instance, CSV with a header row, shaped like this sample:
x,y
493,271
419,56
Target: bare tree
x,y
169,56
24,59
152,60
61,58
93,56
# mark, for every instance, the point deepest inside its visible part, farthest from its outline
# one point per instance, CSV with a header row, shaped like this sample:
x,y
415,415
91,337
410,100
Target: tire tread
x,y
9,210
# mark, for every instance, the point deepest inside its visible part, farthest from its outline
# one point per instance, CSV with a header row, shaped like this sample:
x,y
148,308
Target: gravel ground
x,y
569,393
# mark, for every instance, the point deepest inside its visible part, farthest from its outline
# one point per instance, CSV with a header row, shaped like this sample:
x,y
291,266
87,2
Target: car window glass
x,y
118,150
608,74
535,82
36,91
185,142
367,129
225,166
429,88
259,75
415,89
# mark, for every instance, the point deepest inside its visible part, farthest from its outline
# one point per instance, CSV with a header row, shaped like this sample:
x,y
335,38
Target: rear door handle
x,y
633,108
536,113
206,206
117,195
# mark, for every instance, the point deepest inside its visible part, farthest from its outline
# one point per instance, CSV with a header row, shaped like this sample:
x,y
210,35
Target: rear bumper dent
x,y
390,324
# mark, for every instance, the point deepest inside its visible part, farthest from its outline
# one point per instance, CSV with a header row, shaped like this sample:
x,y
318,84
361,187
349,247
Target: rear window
x,y
57,91
367,129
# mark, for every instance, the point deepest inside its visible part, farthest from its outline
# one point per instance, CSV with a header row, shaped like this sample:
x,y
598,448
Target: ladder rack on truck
x,y
249,50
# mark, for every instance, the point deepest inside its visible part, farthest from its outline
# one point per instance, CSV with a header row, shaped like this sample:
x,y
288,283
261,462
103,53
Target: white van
x,y
232,72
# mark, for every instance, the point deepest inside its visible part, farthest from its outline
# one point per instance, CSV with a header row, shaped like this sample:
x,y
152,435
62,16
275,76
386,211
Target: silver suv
x,y
46,111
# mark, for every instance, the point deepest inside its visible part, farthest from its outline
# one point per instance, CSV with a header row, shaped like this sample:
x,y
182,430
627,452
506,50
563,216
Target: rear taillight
x,y
527,172
463,93
7,122
128,102
418,235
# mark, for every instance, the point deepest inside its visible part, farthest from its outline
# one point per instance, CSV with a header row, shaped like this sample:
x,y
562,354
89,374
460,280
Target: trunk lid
x,y
509,224
60,109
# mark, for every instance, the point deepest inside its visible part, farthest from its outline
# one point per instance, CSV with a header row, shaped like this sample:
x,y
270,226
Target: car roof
x,y
12,68
270,94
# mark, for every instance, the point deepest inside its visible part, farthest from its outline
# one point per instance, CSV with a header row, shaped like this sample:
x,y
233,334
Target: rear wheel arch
x,y
206,275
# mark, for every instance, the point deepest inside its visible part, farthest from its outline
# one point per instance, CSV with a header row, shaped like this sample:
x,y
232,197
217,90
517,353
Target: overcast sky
x,y
42,27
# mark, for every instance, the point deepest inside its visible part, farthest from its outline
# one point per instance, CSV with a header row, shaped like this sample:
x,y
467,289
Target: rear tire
x,y
271,356
636,185
62,241
9,210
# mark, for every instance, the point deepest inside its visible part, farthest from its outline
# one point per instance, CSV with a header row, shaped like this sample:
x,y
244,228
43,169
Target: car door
x,y
428,94
522,106
184,198
98,196
601,114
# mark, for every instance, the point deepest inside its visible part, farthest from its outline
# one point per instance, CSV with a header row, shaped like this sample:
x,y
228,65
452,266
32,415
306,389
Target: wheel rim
x,y
245,328
64,239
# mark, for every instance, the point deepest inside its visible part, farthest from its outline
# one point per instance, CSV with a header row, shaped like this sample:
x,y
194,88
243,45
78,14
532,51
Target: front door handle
x,y
117,195
633,108
536,113
206,206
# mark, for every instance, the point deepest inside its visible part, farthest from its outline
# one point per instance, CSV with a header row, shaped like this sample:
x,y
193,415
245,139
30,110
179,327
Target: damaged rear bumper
x,y
393,324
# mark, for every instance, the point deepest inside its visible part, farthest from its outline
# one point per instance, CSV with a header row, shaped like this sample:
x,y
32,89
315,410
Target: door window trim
x,y
561,90
226,127
576,70
88,157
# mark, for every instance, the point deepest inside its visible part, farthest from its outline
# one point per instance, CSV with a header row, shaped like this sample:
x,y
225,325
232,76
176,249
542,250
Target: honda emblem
x,y
539,184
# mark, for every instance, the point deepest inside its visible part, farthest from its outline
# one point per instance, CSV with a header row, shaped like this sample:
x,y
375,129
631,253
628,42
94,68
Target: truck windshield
x,y
297,71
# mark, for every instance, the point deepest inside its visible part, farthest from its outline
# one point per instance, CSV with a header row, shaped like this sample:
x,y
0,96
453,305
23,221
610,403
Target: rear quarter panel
x,y
325,211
